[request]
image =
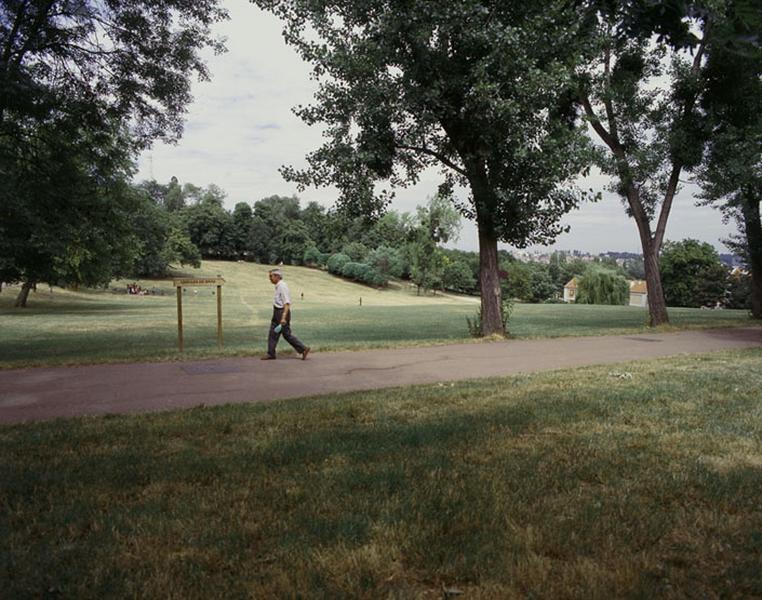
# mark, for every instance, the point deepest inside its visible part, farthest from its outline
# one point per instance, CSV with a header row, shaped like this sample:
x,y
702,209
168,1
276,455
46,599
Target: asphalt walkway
x,y
47,393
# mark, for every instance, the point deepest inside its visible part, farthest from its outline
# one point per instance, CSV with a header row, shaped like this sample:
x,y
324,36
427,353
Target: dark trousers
x,y
272,339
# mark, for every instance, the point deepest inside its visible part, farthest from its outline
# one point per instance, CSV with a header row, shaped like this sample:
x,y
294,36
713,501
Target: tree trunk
x,y
489,283
753,231
24,294
657,304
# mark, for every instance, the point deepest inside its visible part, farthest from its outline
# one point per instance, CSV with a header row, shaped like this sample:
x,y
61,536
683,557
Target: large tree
x,y
693,274
478,89
85,84
162,239
640,96
437,223
118,60
65,217
731,175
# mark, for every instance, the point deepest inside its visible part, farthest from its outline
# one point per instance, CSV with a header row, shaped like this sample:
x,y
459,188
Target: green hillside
x,y
66,327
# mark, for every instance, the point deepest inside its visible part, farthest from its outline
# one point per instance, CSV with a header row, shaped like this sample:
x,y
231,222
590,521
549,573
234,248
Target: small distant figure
x,y
281,320
360,300
302,295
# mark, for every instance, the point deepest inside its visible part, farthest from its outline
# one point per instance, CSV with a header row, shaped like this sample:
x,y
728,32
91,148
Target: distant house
x,y
638,293
570,290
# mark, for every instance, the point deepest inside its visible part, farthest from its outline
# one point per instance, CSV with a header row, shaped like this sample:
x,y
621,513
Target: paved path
x,y
47,393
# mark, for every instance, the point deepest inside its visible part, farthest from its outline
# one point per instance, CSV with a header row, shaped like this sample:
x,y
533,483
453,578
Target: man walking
x,y
281,321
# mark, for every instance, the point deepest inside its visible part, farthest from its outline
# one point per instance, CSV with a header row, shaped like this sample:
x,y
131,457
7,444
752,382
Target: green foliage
x,y
387,261
83,86
692,274
392,230
541,283
457,276
66,208
528,282
97,63
437,222
162,241
355,251
293,241
180,250
634,268
243,217
738,293
312,256
211,229
599,285
363,273
336,263
730,175
318,225
516,283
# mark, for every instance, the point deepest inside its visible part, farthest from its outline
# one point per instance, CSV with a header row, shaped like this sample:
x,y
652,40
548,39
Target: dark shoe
x,y
305,353
267,357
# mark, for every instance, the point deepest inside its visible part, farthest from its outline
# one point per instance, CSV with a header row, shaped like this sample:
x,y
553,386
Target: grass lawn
x,y
639,480
64,327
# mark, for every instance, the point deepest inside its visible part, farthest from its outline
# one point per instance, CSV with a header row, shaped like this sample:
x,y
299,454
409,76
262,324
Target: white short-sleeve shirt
x,y
282,295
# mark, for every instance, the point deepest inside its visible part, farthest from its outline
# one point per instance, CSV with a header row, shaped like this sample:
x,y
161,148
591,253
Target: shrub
x,y
363,273
312,256
356,251
351,270
336,263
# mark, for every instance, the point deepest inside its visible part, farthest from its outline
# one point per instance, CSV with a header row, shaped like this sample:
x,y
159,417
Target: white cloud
x,y
240,130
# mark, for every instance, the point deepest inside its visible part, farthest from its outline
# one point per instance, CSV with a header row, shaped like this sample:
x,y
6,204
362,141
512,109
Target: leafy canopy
x,y
478,89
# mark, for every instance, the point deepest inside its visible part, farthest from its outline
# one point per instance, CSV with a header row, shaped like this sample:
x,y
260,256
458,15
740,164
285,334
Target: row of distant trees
x,y
181,224
692,275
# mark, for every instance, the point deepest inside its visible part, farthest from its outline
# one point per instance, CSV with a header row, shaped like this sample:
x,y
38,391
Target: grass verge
x,y
637,480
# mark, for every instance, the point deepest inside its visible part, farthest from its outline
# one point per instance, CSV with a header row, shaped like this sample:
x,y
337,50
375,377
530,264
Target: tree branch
x,y
438,155
666,205
607,99
608,139
674,177
14,33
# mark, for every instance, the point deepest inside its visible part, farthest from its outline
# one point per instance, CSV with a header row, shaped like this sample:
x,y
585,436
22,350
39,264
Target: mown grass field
x,y
639,480
65,327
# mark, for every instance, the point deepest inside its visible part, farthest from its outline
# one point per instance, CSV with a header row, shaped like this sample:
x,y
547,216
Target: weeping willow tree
x,y
602,286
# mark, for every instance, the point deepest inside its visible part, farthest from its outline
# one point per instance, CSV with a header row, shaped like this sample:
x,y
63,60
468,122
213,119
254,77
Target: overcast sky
x,y
240,130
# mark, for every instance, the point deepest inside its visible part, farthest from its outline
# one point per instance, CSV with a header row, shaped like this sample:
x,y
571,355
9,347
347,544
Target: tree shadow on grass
x,y
521,497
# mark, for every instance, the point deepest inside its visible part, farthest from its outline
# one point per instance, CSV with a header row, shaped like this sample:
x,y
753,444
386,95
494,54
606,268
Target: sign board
x,y
183,281
180,283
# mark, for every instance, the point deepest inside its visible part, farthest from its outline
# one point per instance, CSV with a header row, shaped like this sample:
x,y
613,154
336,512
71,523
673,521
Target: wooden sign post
x,y
182,282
